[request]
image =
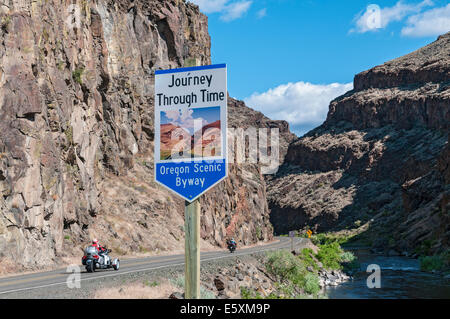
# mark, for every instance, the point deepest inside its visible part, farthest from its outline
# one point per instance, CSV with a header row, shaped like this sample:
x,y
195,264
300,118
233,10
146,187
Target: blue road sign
x,y
191,129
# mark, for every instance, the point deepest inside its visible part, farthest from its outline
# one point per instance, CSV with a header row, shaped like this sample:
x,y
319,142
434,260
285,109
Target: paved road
x,y
58,277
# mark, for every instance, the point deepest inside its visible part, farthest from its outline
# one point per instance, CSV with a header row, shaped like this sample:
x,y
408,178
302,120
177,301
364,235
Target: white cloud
x,y
235,10
429,23
261,13
184,119
302,104
210,6
230,10
375,17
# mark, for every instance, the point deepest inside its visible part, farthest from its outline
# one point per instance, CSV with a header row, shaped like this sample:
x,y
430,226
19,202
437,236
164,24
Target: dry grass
x,y
7,266
137,291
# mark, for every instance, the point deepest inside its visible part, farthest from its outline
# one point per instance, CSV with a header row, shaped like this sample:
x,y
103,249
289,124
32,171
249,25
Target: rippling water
x,y
400,278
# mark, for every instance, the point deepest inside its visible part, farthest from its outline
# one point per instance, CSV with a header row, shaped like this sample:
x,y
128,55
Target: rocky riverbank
x,y
301,273
250,277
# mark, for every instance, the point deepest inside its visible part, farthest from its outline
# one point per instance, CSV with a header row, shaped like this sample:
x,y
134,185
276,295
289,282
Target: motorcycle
x,y
93,259
231,247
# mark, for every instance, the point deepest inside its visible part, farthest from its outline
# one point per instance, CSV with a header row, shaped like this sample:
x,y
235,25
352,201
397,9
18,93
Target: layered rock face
x,y
381,157
76,131
238,206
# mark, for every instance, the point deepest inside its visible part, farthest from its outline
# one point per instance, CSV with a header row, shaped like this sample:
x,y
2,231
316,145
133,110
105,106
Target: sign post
x,y
192,249
292,235
191,145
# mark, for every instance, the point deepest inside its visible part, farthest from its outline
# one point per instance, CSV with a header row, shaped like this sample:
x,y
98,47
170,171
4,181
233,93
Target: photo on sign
x,y
190,133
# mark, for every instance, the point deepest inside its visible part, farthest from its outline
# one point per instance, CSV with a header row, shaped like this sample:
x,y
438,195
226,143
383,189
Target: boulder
x,y
176,295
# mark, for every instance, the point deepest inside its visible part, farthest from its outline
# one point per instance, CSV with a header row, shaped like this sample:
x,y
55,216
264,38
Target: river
x,y
400,278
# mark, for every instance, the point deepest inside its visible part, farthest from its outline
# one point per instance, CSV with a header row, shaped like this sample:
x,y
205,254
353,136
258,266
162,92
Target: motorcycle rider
x,y
232,242
102,251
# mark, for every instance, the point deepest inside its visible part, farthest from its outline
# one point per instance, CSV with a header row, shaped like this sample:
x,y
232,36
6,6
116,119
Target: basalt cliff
x,y
76,132
380,162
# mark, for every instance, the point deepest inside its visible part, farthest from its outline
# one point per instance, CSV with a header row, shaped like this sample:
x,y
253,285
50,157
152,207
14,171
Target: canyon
x,y
77,134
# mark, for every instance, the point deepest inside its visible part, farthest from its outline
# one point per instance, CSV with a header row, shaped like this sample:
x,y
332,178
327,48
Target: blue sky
x,y
290,58
185,118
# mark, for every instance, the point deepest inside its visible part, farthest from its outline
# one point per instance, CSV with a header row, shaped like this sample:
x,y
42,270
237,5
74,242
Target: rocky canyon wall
x,y
76,132
380,159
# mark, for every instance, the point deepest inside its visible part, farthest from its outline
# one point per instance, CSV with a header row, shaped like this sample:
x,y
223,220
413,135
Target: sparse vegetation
x,y
258,232
204,293
349,262
151,284
77,74
307,256
292,273
119,251
330,255
4,23
425,249
297,276
143,249
438,262
328,238
247,293
69,134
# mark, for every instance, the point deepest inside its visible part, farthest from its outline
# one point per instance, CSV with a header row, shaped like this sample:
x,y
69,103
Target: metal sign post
x,y
292,235
191,145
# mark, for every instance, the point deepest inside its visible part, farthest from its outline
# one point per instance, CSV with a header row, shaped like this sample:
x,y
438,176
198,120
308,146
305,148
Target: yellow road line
x,y
152,262
21,281
28,280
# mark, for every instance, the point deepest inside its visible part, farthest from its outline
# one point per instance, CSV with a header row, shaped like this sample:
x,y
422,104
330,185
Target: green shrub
x,y
76,75
440,262
306,256
286,290
284,265
330,255
247,293
429,263
5,21
258,232
326,238
292,270
311,285
349,261
347,256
